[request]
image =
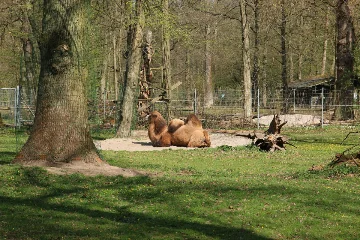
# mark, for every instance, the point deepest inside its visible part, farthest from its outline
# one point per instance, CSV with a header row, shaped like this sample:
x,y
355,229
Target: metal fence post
x,y
18,106
294,98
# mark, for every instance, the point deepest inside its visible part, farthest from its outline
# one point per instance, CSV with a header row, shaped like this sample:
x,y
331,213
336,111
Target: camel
x,y
189,133
158,130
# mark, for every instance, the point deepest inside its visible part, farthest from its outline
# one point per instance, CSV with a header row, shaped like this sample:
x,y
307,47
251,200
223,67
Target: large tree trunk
x,y
344,61
246,59
60,132
132,72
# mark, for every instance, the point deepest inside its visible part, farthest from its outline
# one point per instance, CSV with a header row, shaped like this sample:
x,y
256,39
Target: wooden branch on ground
x,y
348,136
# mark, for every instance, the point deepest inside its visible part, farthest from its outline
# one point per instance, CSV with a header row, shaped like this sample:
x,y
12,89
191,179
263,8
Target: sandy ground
x,y
292,120
140,142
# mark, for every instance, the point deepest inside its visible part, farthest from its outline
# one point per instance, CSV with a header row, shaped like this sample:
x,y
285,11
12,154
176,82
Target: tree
x,y
208,87
132,71
246,59
29,69
166,54
283,50
60,132
256,68
345,40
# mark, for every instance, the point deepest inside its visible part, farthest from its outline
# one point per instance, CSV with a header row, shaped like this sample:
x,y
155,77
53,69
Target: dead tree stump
x,y
272,140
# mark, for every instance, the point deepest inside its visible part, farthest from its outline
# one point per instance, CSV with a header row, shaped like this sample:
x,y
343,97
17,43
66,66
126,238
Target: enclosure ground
x,y
139,141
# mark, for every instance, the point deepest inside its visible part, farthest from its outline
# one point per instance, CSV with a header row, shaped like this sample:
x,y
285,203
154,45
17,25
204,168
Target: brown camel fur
x,y
189,134
175,124
158,130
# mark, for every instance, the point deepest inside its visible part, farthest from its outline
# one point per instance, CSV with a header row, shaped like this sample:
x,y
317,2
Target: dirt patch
x,y
139,141
88,169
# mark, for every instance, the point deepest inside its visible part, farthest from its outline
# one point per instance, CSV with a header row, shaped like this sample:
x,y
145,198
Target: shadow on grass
x,y
79,207
52,216
6,157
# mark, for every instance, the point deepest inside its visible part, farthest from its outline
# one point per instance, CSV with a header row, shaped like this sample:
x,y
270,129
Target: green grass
x,y
224,193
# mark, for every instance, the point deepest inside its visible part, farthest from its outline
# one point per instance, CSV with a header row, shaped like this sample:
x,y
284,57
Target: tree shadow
x,y
55,212
6,157
39,216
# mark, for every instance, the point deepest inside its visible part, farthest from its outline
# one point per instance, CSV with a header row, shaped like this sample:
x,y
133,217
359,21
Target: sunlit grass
x,y
224,193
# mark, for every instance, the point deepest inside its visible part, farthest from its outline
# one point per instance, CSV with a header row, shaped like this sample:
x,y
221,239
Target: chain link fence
x,y
226,111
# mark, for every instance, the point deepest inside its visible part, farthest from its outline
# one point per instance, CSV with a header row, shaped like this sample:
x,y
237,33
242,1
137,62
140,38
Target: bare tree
x,y
166,81
324,60
283,51
246,59
132,73
208,84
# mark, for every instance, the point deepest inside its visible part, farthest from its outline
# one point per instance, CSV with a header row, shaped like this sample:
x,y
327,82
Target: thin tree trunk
x,y
284,57
60,132
264,80
146,76
291,72
166,51
104,75
29,74
246,59
323,67
300,66
256,68
116,80
132,73
208,91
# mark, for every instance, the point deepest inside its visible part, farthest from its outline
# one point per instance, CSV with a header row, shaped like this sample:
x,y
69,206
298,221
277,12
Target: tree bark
x,y
208,91
60,132
246,59
146,76
29,73
166,51
285,88
256,67
345,42
132,72
323,67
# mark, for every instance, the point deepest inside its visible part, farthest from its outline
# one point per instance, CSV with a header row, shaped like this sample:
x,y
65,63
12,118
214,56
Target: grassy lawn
x,y
223,193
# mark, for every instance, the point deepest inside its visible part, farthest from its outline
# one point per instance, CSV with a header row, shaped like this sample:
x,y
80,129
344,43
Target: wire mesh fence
x,y
225,112
8,106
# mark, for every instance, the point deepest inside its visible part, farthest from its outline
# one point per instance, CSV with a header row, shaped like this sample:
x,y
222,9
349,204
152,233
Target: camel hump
x,y
193,120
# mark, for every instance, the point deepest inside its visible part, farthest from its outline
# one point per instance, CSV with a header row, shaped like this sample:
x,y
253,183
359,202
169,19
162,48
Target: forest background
x,y
206,45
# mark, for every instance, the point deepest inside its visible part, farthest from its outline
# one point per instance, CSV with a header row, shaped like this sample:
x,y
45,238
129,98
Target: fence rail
x,y
227,104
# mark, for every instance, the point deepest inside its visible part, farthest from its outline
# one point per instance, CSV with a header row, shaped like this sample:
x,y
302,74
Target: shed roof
x,y
312,82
